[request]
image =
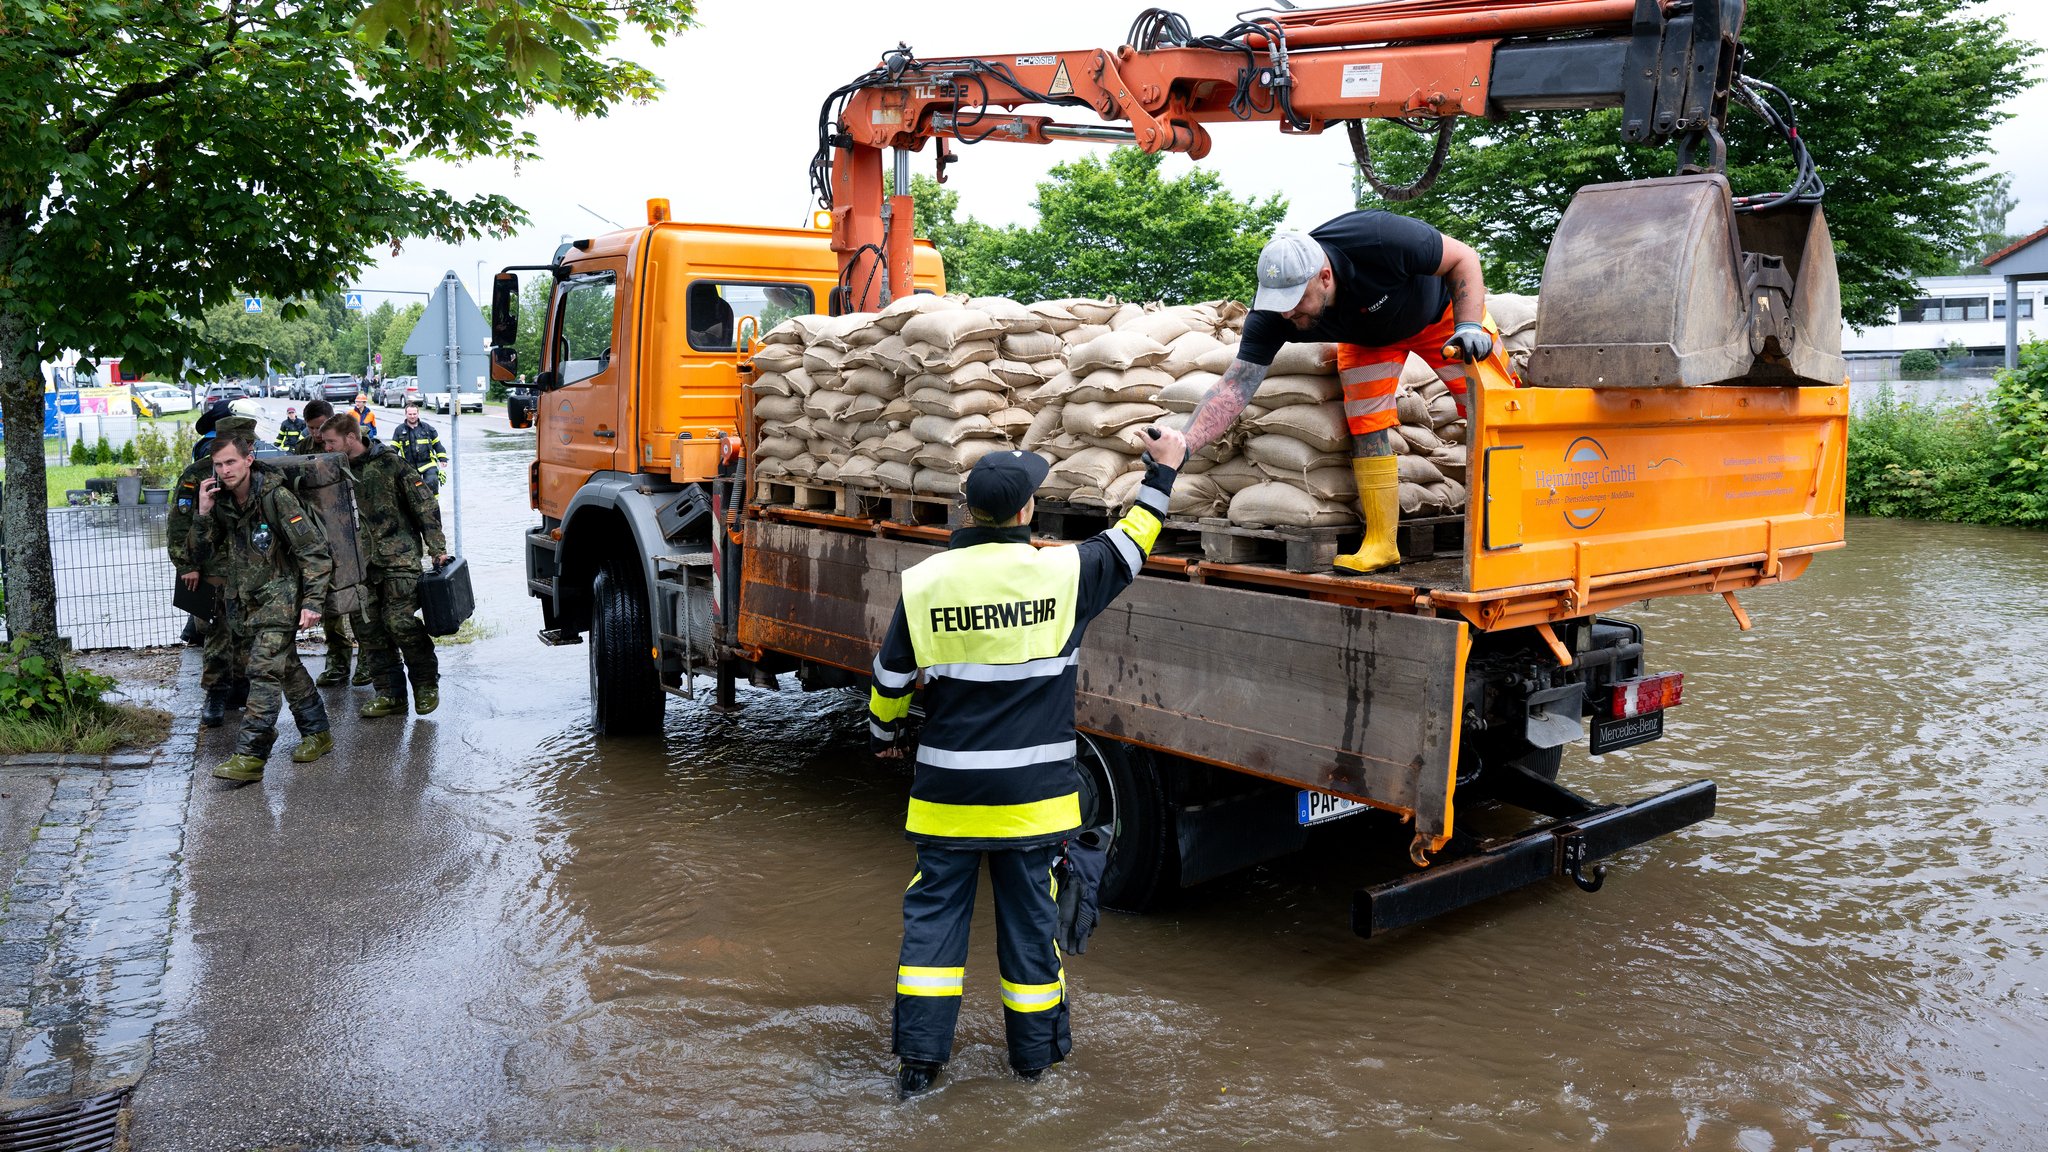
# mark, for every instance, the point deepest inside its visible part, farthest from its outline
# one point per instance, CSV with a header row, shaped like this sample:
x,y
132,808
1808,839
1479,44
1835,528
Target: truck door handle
x,y
605,433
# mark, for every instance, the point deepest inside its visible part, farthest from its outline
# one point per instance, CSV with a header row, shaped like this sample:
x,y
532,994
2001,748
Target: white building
x,y
1951,310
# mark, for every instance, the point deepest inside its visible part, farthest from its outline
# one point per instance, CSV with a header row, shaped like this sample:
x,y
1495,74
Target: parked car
x,y
159,400
222,390
339,389
393,393
472,398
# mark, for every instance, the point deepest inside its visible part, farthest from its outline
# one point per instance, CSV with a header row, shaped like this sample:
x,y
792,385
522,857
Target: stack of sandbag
x,y
1516,318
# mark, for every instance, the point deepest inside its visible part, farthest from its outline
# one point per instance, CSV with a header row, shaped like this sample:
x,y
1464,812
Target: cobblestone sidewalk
x,y
86,921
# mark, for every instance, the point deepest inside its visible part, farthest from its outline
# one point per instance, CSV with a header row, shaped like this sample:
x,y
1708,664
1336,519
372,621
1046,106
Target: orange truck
x,y
1681,432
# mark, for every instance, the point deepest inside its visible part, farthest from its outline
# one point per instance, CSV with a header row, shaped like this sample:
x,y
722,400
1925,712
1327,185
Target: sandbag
x,y
1081,334
1443,410
858,469
800,382
866,406
961,379
898,411
954,405
873,381
1093,311
1454,433
1032,347
1043,425
826,405
1185,352
1423,441
1511,313
1119,350
940,430
942,361
900,447
783,335
1013,422
1127,314
822,360
1016,374
1195,497
1186,393
1274,504
778,448
900,310
772,384
1053,391
955,457
1305,360
895,475
1109,386
1331,482
933,482
1450,461
1218,359
893,353
1054,315
1165,325
781,406
1411,408
1419,470
1282,389
1411,497
1015,318
1060,445
1321,426
828,472
1092,467
1108,419
948,328
777,357
1284,454
1233,476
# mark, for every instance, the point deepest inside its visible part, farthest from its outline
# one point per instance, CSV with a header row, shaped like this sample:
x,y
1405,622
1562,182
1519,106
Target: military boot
x,y
335,673
238,694
426,697
244,767
382,705
362,677
313,747
215,709
315,739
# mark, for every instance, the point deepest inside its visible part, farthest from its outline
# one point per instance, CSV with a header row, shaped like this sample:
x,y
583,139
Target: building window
x,y
1918,311
1998,307
1966,308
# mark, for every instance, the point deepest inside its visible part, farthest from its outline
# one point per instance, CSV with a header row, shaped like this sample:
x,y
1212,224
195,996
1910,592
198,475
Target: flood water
x,y
689,941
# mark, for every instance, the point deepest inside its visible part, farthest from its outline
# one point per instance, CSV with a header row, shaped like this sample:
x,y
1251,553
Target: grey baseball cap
x,y
1286,264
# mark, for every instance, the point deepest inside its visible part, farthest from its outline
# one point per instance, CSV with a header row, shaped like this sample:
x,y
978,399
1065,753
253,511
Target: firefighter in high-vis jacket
x,y
995,627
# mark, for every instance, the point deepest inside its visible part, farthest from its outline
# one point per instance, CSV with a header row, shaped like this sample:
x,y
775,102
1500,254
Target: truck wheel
x,y
1121,787
625,689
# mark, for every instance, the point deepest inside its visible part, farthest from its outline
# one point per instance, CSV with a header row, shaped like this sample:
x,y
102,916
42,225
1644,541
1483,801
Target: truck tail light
x,y
1649,694
533,484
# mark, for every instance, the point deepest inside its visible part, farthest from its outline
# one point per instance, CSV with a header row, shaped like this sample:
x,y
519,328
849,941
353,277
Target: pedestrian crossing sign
x,y
353,301
252,305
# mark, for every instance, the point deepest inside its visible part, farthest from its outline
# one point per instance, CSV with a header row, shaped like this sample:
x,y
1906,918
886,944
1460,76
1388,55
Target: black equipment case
x,y
445,598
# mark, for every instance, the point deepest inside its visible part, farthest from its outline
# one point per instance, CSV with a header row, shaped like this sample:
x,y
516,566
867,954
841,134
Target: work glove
x,y
1469,343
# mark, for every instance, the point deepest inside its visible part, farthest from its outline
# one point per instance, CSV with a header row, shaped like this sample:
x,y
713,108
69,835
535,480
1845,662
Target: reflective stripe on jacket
x,y
995,626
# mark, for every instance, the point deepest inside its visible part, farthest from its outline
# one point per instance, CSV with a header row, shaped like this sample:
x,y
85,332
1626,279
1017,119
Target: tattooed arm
x,y
1462,276
1219,409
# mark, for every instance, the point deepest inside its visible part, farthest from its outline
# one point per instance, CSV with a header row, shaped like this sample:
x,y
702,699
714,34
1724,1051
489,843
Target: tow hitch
x,y
1566,847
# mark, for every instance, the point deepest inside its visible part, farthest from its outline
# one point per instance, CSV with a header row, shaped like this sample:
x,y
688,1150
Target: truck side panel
x,y
1578,484
1361,703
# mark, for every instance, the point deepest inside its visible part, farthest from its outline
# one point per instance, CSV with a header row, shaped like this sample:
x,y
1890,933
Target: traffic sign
x,y
251,305
353,301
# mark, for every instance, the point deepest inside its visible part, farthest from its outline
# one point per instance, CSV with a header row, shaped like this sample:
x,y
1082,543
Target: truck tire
x,y
625,688
1121,787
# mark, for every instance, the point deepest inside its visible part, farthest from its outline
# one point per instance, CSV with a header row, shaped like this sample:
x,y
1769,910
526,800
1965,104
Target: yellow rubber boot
x,y
1379,498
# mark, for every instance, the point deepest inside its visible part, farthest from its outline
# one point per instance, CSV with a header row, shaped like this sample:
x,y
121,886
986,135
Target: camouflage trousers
x,y
395,643
226,653
339,646
276,675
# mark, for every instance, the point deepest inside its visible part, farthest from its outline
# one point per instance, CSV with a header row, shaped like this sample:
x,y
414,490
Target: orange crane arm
x,y
1668,63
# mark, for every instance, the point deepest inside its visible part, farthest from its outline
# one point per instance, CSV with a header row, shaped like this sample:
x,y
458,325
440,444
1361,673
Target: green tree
x,y
1115,227
164,156
392,343
1894,99
1987,219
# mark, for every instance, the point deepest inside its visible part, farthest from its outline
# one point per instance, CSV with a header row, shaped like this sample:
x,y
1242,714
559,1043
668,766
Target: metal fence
x,y
113,576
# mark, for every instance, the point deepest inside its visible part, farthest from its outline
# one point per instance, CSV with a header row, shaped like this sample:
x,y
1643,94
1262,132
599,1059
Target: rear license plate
x,y
1314,807
1626,732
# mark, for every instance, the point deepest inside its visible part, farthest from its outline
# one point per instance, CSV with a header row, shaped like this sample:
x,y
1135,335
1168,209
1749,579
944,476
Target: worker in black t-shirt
x,y
1379,286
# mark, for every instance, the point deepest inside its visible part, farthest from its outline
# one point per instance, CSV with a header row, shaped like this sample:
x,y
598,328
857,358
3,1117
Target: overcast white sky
x,y
731,139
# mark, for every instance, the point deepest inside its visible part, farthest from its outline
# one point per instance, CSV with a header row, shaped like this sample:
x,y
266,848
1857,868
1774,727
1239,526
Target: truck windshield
x,y
583,325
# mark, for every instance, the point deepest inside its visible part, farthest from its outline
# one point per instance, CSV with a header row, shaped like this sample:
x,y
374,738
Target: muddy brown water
x,y
688,941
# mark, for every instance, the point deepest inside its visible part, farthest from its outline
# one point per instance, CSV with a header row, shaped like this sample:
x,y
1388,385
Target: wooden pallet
x,y
1315,549
795,494
1062,520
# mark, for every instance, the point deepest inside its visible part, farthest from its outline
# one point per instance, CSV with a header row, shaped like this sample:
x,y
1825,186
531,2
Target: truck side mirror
x,y
504,317
504,363
519,408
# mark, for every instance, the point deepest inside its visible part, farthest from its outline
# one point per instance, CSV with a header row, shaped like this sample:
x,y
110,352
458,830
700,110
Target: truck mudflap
x,y
1567,847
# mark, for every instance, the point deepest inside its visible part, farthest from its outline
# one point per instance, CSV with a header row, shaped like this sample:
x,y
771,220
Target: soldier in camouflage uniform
x,y
222,674
277,568
340,648
395,515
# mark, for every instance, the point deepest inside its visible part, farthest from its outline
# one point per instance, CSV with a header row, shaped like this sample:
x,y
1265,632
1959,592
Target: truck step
x,y
554,638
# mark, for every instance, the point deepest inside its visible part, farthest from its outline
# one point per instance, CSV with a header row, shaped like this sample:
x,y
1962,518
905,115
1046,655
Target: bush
x,y
34,688
81,456
2019,457
129,454
1919,362
1917,461
103,452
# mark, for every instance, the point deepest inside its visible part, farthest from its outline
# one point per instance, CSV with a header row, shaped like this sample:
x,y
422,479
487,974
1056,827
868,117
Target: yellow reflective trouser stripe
x,y
912,980
1034,997
887,708
913,881
1142,526
995,821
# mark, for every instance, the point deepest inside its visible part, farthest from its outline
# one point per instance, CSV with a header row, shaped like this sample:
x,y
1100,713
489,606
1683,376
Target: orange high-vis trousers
x,y
1371,375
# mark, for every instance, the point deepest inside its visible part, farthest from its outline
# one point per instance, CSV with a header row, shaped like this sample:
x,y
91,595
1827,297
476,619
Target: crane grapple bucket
x,y
1659,284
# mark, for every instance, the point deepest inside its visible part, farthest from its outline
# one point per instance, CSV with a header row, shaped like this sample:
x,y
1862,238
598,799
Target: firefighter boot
x,y
215,709
915,1078
242,767
1379,498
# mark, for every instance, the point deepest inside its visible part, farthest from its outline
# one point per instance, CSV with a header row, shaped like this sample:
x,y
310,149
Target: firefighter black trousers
x,y
930,976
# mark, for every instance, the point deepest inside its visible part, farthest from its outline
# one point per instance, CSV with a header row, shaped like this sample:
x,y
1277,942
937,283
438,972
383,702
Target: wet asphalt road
x,y
486,929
